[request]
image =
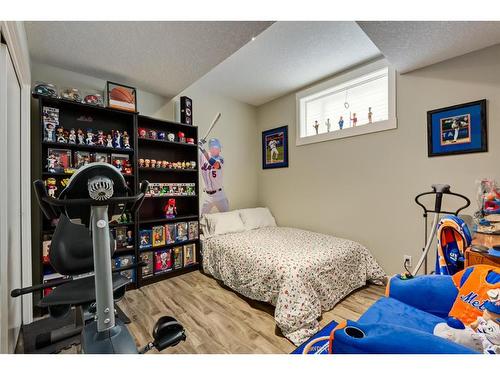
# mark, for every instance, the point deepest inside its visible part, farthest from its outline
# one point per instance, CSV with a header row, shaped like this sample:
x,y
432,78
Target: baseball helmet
x,y
214,142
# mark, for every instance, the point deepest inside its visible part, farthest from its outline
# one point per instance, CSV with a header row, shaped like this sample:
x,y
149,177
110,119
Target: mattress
x,y
301,273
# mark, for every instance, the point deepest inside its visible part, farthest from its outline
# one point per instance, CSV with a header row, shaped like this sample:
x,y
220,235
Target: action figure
x,y
51,163
328,125
109,141
51,187
370,114
117,141
72,136
80,137
118,165
316,126
341,123
60,135
170,209
90,137
354,119
126,140
100,138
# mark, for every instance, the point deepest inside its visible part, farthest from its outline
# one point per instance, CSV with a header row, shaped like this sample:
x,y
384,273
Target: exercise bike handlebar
x,y
439,199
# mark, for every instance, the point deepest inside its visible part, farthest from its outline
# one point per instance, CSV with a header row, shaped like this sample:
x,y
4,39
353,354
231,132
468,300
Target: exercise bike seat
x,y
81,291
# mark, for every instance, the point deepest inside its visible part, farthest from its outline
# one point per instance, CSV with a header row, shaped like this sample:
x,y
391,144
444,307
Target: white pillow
x,y
259,217
222,223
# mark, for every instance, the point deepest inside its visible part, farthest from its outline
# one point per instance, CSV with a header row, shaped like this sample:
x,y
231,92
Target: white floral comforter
x,y
302,273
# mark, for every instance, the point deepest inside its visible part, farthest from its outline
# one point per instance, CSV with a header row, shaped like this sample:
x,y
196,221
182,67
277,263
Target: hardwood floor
x,y
218,320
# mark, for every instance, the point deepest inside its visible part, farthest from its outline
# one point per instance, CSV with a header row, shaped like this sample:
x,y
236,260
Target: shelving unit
x,y
83,116
151,212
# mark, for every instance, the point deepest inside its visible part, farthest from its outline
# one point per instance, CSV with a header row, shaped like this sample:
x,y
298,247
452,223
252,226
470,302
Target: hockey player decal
x,y
212,167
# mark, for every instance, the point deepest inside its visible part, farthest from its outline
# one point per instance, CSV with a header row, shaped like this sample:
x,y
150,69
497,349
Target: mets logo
x,y
472,300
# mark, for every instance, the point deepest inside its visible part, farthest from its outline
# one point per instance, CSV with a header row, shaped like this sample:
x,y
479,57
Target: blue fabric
x,y
321,347
382,338
391,311
434,294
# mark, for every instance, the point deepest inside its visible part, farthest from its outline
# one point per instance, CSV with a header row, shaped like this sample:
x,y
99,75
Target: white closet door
x,y
10,217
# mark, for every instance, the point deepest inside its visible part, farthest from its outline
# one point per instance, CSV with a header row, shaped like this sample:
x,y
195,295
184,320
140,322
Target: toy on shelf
x,y
50,123
328,125
170,209
370,115
182,137
171,137
72,136
341,123
60,135
354,119
160,189
126,140
89,140
117,139
94,99
488,213
316,126
51,187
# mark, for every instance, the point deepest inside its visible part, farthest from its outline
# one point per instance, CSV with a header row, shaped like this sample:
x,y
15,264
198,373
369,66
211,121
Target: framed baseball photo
x,y
275,148
459,129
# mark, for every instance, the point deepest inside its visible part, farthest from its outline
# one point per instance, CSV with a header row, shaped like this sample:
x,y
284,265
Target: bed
x,y
301,273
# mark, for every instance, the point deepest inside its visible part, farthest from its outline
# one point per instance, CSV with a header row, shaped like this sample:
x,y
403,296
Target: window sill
x,y
349,132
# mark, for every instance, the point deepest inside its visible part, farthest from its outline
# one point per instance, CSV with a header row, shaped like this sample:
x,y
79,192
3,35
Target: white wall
x,y
362,188
147,103
236,130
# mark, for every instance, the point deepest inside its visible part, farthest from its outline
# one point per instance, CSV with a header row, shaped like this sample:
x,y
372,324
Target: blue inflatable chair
x,y
402,322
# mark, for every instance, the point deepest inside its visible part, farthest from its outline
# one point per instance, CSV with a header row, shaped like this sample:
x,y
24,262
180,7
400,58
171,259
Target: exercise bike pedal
x,y
167,332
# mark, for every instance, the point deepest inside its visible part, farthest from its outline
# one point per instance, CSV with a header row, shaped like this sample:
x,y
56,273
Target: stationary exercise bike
x,y
82,243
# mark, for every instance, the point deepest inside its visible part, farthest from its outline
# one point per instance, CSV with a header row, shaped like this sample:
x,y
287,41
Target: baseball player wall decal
x,y
211,166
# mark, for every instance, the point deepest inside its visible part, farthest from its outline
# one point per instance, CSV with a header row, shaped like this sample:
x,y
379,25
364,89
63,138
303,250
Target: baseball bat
x,y
217,117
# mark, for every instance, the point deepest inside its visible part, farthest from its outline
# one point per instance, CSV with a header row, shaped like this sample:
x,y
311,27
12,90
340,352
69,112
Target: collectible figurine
x,y
316,126
164,164
51,187
341,122
60,135
190,141
147,163
90,137
161,135
51,163
117,141
127,167
109,141
80,136
49,132
152,134
328,125
100,138
142,133
193,165
126,140
153,163
118,164
370,114
141,163
171,137
72,136
182,137
170,209
354,119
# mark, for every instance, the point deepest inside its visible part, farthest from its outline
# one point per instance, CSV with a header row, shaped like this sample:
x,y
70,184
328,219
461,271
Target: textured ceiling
x,y
287,56
160,57
412,45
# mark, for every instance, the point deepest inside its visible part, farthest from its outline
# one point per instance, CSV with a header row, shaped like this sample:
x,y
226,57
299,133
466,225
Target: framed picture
x,y
58,160
82,158
121,97
189,254
459,129
275,148
163,261
100,157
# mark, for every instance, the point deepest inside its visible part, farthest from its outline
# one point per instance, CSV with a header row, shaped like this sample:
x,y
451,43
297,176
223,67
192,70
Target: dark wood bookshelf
x,y
83,116
151,212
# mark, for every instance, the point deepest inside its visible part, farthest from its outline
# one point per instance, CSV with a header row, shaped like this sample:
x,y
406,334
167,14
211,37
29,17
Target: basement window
x,y
358,102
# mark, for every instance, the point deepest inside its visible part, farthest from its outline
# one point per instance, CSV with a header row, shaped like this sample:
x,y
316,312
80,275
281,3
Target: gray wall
x,y
363,187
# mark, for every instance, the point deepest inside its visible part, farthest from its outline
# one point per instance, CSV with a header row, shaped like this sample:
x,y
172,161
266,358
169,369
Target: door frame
x,y
14,34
